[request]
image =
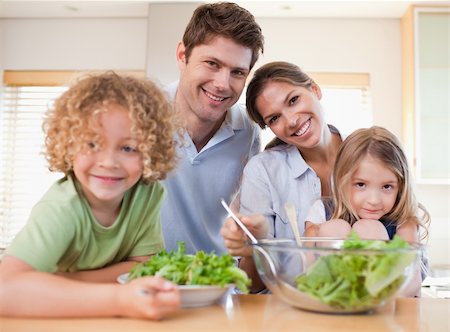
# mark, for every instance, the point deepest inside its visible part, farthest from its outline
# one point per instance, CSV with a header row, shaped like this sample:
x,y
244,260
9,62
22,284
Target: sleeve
x,y
256,142
255,192
45,238
316,213
149,238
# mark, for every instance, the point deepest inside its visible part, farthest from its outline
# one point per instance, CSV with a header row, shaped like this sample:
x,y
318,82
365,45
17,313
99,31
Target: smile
x,y
303,129
213,97
372,211
107,178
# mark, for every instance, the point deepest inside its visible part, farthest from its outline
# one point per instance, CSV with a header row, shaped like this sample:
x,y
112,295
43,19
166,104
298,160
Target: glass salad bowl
x,y
335,275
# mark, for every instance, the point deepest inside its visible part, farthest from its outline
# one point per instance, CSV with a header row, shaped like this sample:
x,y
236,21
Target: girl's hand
x,y
148,297
234,237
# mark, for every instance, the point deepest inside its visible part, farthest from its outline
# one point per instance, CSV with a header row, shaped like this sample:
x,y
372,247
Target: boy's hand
x,y
234,237
148,297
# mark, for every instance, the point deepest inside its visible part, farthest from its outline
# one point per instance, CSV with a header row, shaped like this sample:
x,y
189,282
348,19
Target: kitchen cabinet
x,y
426,92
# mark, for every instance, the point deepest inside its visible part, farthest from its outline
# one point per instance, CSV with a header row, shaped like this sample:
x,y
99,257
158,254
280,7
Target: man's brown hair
x,y
225,19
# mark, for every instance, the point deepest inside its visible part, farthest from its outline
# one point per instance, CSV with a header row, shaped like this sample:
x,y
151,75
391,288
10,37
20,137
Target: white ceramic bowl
x,y
194,295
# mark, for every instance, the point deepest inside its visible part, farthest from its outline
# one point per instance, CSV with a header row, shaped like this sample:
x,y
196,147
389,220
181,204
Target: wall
x,y
320,45
164,33
74,44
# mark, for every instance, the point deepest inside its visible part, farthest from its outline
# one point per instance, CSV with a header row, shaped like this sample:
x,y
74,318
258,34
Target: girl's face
x,y
293,113
108,170
374,189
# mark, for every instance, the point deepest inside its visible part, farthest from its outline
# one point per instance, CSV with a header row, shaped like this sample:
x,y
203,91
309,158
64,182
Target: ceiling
x,y
259,8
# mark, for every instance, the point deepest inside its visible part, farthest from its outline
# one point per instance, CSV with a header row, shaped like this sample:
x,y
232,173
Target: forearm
x,y
106,274
414,286
247,264
37,294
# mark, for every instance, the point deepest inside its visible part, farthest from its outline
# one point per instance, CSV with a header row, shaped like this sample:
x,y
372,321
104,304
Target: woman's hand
x,y
234,237
148,297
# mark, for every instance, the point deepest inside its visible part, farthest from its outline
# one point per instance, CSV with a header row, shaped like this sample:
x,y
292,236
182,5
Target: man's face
x,y
212,79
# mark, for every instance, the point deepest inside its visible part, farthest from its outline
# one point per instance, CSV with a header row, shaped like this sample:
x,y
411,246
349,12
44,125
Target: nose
x,y
107,158
373,197
222,79
292,119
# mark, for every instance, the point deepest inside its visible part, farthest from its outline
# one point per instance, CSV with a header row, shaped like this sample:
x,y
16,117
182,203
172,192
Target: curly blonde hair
x,y
154,122
382,145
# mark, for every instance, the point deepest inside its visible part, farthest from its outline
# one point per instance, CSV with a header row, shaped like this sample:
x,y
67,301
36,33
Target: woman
x,y
296,167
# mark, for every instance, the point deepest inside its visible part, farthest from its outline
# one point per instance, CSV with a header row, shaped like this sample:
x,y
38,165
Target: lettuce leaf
x,y
199,269
350,281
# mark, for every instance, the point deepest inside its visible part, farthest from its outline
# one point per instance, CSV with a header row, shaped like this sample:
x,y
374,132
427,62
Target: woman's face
x,y
293,113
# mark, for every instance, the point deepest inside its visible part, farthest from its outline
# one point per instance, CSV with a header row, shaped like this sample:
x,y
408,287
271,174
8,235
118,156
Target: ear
x,y
181,55
316,89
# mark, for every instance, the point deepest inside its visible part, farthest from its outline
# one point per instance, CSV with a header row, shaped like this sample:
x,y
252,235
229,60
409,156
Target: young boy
x,y
112,137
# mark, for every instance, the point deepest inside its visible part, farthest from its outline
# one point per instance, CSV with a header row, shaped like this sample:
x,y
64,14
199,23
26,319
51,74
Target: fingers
x,y
257,224
231,230
154,284
148,297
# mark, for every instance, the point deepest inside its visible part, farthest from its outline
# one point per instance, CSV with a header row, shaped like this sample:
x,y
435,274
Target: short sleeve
x,y
316,213
45,238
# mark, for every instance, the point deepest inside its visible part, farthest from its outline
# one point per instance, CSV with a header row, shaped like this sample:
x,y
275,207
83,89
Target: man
x,y
220,46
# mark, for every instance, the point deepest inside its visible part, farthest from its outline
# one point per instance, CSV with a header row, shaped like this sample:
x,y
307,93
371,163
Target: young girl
x,y
373,195
112,137
373,192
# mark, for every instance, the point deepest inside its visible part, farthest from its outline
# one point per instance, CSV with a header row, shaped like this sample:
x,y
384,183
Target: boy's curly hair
x,y
154,122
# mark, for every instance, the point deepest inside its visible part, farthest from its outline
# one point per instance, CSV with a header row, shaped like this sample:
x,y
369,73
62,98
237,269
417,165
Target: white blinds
x,y
24,176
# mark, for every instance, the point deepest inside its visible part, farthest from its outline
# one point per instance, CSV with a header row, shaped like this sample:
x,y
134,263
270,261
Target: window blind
x,y
24,176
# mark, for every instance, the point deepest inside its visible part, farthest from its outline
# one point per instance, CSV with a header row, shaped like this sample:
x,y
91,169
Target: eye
x,y
92,145
293,100
272,120
360,185
239,73
212,64
128,148
388,187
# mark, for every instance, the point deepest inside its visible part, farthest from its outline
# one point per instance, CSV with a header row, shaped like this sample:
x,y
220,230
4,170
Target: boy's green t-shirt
x,y
63,235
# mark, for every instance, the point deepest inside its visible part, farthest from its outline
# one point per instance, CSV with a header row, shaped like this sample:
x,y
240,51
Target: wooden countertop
x,y
259,313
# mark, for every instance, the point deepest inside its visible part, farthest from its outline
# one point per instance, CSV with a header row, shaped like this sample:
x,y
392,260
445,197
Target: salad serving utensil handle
x,y
239,222
292,217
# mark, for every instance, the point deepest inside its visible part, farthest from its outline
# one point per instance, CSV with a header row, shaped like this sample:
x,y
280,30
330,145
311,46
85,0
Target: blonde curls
x,y
153,118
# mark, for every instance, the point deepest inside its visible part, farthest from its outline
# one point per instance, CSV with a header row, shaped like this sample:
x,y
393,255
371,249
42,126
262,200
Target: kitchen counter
x,y
260,313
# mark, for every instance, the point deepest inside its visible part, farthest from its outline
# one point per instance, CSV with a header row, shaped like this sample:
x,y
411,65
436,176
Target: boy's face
x,y
374,189
108,170
212,79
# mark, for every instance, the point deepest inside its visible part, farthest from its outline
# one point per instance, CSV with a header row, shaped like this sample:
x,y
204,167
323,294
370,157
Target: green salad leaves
x,y
198,269
357,280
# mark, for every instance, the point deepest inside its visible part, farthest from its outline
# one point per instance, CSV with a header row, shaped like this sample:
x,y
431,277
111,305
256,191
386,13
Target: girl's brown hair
x,y
154,122
225,19
382,145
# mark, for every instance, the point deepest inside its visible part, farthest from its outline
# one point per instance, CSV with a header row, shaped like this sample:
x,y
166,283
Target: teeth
x,y
303,128
214,97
